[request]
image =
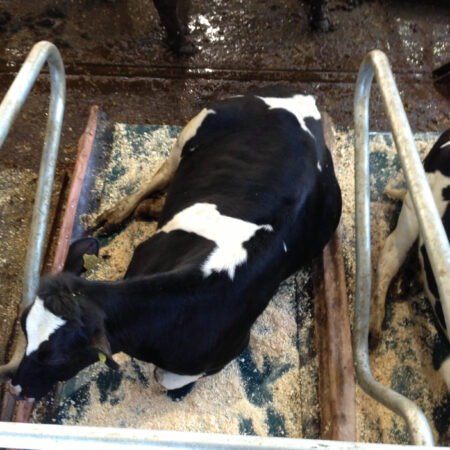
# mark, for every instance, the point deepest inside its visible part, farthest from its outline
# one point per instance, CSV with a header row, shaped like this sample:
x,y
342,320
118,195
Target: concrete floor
x,y
116,57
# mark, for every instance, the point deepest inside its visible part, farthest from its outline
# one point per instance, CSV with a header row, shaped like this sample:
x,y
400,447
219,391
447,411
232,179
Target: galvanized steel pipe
x,y
429,220
41,53
55,437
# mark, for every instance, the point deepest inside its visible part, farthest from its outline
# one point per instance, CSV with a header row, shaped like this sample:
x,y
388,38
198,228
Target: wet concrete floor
x,y
116,57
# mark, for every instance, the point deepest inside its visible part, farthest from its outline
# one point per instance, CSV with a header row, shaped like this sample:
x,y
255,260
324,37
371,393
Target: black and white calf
x,y
398,243
252,197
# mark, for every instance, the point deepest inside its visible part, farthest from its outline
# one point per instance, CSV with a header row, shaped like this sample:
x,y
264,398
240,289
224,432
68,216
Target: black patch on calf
x,y
440,313
446,193
74,260
157,255
429,273
60,299
439,158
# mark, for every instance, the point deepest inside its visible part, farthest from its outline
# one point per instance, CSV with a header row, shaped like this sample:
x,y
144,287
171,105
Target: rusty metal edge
x,y
336,375
84,152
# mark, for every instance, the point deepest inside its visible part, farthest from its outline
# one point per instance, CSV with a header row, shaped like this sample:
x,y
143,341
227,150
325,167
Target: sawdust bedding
x,y
17,191
261,391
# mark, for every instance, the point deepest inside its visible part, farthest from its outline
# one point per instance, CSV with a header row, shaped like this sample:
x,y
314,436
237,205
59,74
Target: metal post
x,y
429,220
12,103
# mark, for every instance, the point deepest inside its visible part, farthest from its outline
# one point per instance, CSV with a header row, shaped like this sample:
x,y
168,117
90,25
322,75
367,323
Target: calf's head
x,y
64,329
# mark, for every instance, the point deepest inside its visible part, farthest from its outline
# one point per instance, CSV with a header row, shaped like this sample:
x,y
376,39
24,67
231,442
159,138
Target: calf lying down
x,y
398,243
251,197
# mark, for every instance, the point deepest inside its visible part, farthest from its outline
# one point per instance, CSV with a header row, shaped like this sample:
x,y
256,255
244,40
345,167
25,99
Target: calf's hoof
x,y
111,219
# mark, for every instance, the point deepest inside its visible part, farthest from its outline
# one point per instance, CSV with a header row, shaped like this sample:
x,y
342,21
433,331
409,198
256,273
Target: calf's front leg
x,y
109,220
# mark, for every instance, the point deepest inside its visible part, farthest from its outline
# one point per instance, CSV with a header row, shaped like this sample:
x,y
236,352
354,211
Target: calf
x,y
252,197
437,168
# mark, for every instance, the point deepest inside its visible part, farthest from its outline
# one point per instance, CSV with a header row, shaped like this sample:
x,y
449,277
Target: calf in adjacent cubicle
x,y
398,243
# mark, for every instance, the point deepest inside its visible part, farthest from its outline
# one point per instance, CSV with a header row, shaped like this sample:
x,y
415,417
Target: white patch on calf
x,y
15,388
302,106
227,232
445,372
284,247
40,325
438,182
170,381
319,167
190,130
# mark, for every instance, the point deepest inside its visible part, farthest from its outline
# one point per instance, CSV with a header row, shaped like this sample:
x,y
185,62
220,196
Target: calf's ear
x,y
100,343
74,261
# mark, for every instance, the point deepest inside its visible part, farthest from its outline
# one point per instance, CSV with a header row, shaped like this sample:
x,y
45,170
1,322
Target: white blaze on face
x,y
446,144
40,324
302,106
227,232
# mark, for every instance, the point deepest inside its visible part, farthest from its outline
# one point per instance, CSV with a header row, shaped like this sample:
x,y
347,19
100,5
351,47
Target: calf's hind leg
x,y
150,208
111,218
391,258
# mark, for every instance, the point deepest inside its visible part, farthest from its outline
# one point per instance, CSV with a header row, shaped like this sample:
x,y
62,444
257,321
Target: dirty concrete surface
x,y
116,56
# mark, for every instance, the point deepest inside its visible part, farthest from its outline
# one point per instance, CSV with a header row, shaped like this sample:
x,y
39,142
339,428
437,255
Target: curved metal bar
x,y
9,108
435,237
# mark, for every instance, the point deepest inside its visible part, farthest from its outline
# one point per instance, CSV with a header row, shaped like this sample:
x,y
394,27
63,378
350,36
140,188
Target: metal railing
x,y
428,217
55,437
13,101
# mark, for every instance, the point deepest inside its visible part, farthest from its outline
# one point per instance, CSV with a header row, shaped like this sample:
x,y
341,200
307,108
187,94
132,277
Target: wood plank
x,y
336,378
